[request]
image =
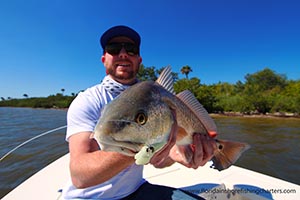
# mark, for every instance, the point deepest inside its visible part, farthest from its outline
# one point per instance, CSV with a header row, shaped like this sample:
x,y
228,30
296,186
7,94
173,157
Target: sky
x,y
49,45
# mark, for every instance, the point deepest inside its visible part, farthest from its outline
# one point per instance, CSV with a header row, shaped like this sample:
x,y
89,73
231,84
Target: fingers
x,y
196,154
204,148
192,156
198,151
209,147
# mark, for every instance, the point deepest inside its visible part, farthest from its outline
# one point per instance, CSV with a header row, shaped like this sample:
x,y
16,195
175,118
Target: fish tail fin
x,y
227,153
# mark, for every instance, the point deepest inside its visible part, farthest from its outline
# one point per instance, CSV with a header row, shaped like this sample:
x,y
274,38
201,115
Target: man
x,y
98,174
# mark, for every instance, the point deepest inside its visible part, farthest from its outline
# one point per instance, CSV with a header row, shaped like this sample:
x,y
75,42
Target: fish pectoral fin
x,y
227,153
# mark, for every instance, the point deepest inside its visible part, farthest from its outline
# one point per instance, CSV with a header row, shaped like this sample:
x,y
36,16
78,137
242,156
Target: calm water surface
x,y
20,124
274,141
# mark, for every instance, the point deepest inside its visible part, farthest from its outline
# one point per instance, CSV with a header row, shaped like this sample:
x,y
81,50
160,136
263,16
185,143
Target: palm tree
x,y
62,90
186,70
25,95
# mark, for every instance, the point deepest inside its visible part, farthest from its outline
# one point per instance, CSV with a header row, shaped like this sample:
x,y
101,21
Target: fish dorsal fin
x,y
166,80
190,100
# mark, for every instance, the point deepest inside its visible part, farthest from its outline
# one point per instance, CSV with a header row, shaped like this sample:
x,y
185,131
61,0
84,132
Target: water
x,y
274,141
20,124
274,144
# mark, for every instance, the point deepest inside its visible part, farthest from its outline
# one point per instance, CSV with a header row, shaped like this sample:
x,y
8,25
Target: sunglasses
x,y
115,48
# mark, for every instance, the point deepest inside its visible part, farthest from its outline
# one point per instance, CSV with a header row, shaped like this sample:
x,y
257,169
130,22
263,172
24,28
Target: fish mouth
x,y
127,148
128,152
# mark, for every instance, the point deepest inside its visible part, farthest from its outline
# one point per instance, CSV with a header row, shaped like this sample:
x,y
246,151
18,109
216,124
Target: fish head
x,y
137,117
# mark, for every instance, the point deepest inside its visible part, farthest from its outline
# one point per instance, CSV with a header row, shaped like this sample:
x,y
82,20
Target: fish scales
x,y
186,119
138,122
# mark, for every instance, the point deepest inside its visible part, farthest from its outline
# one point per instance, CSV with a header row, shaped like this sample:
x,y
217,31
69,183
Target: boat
x,y
232,183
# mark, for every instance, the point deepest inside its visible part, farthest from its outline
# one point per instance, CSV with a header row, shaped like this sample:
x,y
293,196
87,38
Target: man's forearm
x,y
97,167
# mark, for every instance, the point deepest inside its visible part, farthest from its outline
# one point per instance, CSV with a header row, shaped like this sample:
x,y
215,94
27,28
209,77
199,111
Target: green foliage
x,y
205,95
53,101
186,70
147,73
263,92
192,84
151,74
266,80
288,100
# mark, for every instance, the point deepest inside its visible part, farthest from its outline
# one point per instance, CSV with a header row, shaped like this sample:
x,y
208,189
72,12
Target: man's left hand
x,y
196,154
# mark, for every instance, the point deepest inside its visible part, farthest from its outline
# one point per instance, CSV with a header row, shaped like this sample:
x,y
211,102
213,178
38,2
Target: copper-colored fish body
x,y
142,116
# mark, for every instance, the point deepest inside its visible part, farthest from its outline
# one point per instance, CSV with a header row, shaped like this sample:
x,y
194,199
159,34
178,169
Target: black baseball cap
x,y
117,31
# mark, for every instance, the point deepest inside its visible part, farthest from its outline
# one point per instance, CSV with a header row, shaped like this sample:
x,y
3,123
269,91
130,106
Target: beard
x,y
126,74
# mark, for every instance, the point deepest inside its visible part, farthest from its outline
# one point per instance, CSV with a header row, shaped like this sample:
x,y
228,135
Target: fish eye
x,y
141,118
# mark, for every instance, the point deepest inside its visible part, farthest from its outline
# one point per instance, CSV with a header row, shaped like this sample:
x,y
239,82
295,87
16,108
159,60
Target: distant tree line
x,y
262,92
52,101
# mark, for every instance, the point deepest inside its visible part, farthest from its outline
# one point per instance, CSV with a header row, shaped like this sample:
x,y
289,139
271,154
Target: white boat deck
x,y
232,183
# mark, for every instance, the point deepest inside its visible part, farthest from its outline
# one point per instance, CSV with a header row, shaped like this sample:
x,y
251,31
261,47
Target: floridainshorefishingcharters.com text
x,y
244,190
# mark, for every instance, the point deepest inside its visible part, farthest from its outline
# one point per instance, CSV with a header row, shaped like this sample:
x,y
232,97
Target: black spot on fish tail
x,y
227,153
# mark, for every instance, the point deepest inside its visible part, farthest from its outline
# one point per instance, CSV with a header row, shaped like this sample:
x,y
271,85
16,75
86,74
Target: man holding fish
x,y
102,162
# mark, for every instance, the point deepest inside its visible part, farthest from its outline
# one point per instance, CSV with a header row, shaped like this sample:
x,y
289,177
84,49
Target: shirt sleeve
x,y
83,114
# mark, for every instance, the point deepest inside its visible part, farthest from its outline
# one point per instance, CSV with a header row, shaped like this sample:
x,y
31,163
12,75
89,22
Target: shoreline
x,y
52,108
268,115
223,114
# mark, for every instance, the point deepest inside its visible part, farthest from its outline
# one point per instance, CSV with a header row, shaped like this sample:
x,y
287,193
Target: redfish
x,y
138,122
